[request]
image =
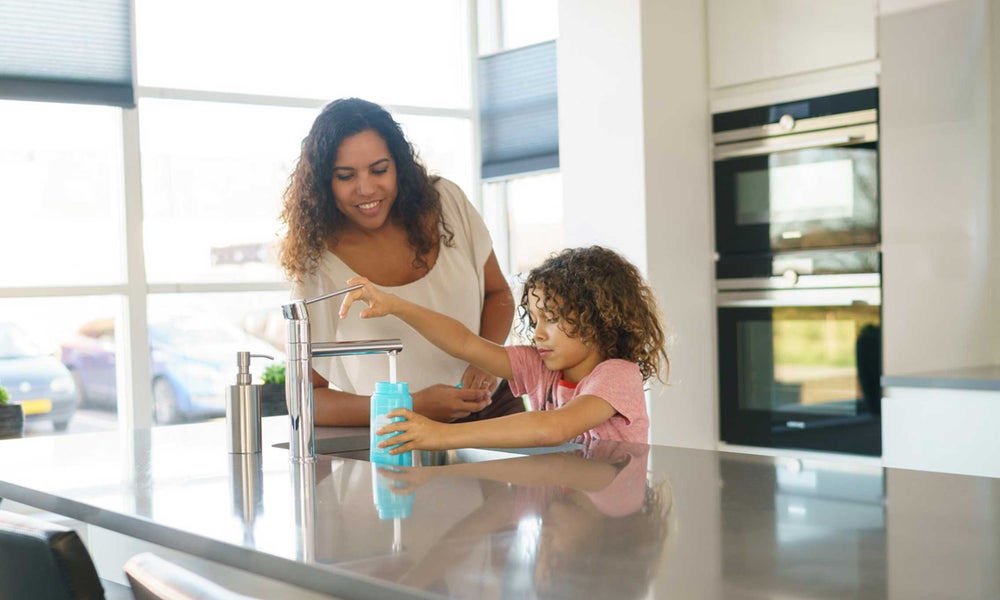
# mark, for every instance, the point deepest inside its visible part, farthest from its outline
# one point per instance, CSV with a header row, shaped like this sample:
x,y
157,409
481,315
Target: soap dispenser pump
x,y
243,409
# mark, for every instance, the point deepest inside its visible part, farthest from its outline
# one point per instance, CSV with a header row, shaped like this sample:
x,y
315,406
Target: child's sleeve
x,y
526,371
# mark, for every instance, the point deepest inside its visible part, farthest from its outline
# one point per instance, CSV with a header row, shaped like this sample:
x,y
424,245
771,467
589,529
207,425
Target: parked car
x,y
193,361
35,380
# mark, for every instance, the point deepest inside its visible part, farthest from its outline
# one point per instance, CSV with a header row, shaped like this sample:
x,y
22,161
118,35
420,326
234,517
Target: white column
x,y
635,159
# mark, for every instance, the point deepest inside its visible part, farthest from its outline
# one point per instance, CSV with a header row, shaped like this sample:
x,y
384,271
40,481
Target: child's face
x,y
560,352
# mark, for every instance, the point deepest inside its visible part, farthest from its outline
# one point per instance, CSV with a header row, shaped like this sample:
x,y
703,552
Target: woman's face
x,y
364,180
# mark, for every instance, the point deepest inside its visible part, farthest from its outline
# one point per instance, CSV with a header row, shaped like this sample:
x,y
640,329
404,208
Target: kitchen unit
x,y
726,525
943,420
798,274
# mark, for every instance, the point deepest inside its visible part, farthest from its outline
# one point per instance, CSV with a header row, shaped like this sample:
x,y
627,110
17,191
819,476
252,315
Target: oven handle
x,y
817,139
868,296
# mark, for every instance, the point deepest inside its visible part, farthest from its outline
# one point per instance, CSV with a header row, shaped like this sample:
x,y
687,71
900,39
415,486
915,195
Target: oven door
x,y
800,369
809,190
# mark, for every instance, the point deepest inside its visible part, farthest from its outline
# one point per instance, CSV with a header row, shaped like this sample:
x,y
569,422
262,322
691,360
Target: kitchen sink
x,y
356,447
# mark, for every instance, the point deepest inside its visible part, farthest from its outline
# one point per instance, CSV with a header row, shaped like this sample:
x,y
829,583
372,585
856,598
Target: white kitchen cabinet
x,y
944,430
756,40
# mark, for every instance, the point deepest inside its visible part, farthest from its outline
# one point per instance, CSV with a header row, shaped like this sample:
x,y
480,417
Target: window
x,y
60,194
390,51
522,200
203,158
212,178
526,216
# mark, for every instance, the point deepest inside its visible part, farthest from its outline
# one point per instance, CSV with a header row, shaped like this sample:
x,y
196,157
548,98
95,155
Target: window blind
x,y
77,51
519,123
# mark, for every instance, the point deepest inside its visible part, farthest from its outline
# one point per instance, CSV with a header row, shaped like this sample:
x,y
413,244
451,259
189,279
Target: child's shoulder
x,y
616,366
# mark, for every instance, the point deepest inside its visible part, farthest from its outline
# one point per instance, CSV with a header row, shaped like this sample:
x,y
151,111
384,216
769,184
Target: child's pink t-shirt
x,y
617,382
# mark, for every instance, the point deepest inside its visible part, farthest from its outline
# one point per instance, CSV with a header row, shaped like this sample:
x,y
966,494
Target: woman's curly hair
x,y
308,207
601,298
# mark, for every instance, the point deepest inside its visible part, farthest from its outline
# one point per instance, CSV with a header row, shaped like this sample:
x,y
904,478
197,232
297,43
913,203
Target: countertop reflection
x,y
609,520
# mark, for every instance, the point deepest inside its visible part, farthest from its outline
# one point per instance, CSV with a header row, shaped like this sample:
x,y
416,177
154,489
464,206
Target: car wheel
x,y
60,425
165,409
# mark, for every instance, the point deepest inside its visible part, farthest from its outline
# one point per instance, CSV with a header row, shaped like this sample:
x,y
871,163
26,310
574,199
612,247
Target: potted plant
x,y
11,417
272,392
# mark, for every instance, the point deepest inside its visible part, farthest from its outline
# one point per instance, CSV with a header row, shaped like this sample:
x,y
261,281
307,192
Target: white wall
x,y
635,161
939,219
679,227
601,125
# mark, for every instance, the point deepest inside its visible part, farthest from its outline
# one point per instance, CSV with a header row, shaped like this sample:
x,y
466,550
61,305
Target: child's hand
x,y
407,479
379,302
417,433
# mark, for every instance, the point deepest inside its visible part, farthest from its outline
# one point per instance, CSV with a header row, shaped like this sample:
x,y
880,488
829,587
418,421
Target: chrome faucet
x,y
298,373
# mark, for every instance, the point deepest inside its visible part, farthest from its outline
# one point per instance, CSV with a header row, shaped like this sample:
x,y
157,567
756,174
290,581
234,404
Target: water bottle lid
x,y
384,387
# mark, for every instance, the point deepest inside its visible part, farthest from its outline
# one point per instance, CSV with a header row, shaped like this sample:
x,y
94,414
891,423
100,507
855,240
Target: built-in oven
x,y
800,366
796,175
798,274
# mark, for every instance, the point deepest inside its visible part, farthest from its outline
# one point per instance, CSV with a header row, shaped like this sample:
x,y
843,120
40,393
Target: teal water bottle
x,y
388,397
390,503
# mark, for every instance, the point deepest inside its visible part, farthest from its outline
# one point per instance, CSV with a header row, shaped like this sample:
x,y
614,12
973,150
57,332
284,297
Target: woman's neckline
x,y
425,275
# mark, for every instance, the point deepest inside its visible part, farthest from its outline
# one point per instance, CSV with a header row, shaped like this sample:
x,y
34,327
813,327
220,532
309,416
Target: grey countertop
x,y
972,378
613,520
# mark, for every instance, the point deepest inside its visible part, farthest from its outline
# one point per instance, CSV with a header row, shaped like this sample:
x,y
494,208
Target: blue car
x,y
193,361
35,380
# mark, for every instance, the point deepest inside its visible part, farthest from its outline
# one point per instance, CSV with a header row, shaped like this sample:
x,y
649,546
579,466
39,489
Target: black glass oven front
x,y
799,175
801,369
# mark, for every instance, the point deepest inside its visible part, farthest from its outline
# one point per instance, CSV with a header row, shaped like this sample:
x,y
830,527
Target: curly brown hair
x,y
309,210
601,298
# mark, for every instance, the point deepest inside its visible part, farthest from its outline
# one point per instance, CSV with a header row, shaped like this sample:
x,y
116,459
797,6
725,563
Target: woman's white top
x,y
454,286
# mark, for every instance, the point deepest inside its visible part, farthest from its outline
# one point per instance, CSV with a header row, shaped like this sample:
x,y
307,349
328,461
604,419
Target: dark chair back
x,y
43,561
154,578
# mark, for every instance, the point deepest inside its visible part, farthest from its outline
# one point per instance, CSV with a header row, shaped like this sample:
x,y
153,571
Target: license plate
x,y
36,407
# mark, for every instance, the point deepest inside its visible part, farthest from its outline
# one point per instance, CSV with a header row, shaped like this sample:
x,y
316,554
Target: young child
x,y
595,339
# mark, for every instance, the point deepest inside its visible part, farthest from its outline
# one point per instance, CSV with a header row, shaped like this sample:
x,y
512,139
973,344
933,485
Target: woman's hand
x,y
379,303
475,378
415,433
446,403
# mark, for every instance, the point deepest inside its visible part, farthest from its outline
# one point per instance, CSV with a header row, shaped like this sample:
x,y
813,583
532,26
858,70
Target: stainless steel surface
x,y
793,280
859,117
298,370
801,297
243,408
798,141
985,378
691,524
323,349
243,419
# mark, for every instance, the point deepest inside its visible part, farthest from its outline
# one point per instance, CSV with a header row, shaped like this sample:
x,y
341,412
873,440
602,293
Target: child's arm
x,y
522,430
442,331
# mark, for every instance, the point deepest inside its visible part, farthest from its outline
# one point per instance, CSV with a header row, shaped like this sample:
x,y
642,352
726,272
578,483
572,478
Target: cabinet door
x,y
753,40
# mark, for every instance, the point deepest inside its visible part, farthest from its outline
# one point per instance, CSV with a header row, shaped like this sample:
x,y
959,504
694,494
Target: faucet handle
x,y
296,310
332,294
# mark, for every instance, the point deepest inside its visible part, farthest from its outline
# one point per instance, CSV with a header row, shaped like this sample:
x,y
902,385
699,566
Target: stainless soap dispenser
x,y
243,409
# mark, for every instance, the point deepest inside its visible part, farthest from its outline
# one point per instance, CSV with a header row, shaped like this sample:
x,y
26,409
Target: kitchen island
x,y
611,520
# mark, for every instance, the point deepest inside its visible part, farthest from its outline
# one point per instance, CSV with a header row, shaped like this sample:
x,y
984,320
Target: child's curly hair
x,y
603,299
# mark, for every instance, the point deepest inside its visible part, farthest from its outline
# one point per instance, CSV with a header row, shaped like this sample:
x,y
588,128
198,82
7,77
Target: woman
x,y
359,203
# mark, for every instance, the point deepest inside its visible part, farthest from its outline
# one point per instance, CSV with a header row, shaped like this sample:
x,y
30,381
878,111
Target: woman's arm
x,y
523,430
443,331
498,303
440,402
494,323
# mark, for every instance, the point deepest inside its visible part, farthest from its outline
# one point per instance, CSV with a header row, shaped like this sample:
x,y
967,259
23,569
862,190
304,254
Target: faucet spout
x,y
327,349
298,373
